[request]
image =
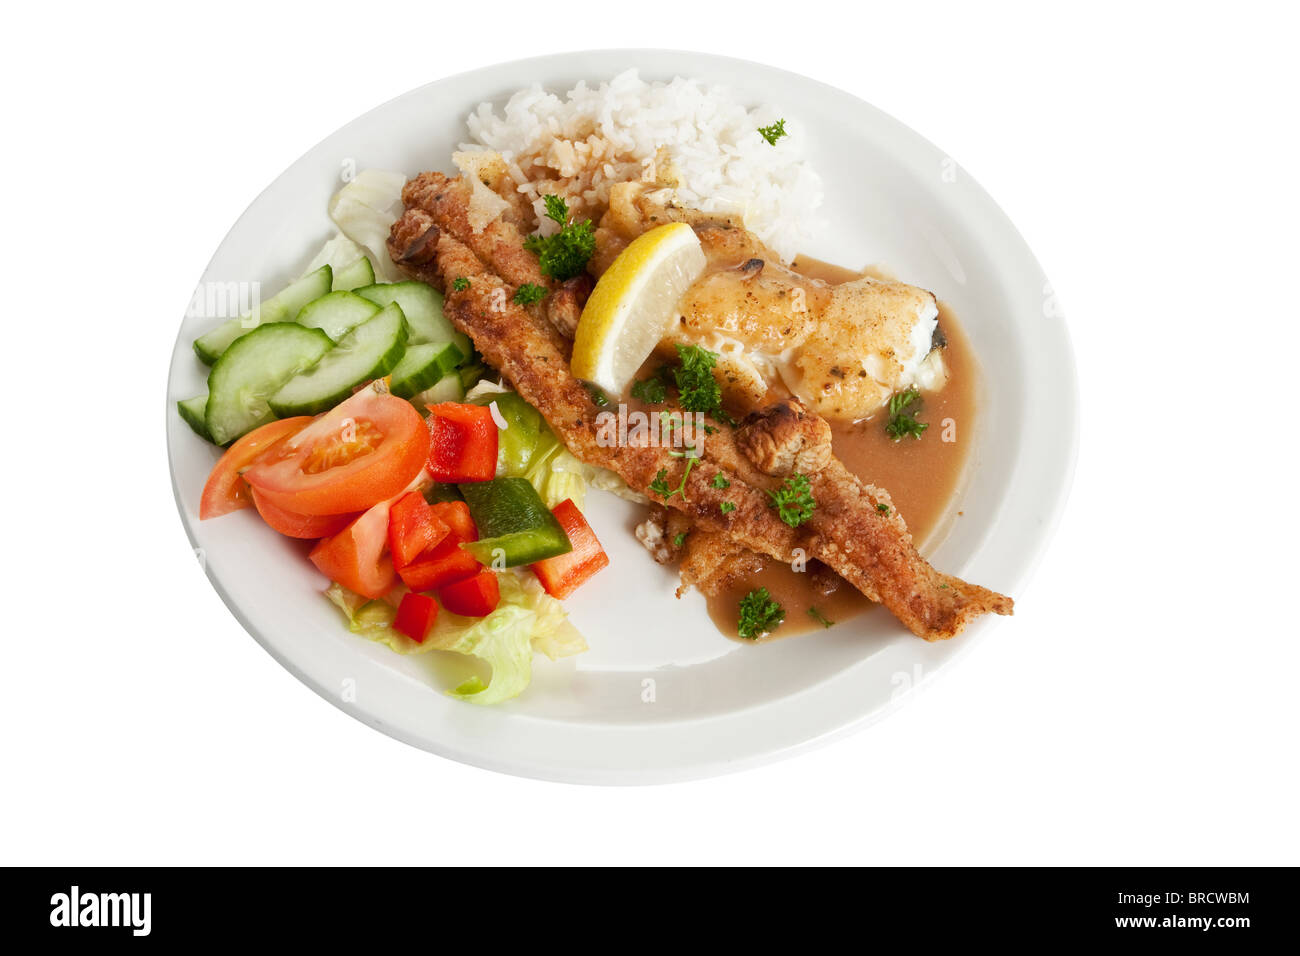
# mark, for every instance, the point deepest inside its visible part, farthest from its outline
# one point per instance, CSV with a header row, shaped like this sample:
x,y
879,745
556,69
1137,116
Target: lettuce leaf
x,y
527,620
365,210
336,253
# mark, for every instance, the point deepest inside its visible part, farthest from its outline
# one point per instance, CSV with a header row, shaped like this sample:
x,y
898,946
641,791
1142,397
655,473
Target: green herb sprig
x,y
902,415
565,254
774,132
794,501
759,614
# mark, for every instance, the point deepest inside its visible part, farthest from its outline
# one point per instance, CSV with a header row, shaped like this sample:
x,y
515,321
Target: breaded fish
x,y
868,545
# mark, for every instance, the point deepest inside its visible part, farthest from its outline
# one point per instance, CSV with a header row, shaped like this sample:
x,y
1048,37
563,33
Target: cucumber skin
x,y
354,275
446,389
315,406
441,363
230,359
284,306
340,301
436,328
192,411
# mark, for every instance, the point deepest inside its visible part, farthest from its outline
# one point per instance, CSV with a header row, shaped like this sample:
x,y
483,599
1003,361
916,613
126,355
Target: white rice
x,y
698,143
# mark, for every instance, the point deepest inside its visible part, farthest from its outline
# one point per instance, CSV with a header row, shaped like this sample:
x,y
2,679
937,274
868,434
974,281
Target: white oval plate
x,y
661,695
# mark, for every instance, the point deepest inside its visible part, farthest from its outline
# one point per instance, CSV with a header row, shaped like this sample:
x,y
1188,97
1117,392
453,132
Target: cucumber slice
x,y
448,389
422,306
337,314
423,366
192,411
283,307
367,352
354,275
252,370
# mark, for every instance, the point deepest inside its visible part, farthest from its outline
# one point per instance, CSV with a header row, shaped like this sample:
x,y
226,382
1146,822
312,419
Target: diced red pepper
x,y
416,616
455,515
464,442
473,597
562,574
445,563
413,528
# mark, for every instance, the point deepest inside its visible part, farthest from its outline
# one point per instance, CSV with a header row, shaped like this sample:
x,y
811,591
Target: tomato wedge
x,y
225,491
413,527
357,556
299,526
362,452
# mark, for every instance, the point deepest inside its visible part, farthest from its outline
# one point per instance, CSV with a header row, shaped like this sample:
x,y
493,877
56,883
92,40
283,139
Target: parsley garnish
x,y
660,485
697,389
883,508
793,501
720,481
650,390
565,254
597,396
556,208
727,507
774,132
902,421
460,284
759,614
530,293
819,617
679,538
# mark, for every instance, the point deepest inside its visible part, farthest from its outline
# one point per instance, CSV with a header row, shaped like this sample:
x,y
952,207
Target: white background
x,y
1139,708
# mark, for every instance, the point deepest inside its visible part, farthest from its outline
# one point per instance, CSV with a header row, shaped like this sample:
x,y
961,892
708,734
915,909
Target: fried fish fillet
x,y
849,531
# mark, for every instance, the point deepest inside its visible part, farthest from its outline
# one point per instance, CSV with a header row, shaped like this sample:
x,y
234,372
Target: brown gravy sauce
x,y
923,478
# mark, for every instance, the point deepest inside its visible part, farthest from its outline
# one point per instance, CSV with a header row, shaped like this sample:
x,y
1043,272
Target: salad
x,y
446,514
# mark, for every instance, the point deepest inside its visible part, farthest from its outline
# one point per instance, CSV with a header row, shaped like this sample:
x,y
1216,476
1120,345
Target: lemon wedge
x,y
633,305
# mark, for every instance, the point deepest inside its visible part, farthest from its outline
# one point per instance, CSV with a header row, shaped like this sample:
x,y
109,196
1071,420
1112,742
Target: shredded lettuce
x,y
527,620
336,253
557,474
365,210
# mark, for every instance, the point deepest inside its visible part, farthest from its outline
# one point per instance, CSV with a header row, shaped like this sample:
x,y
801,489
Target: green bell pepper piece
x,y
514,525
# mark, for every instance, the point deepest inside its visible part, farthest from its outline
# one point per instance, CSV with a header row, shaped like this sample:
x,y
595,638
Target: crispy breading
x,y
564,306
785,438
500,244
869,548
663,533
412,242
713,562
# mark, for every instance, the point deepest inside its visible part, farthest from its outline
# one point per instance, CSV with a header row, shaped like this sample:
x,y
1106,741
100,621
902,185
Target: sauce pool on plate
x,y
923,476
